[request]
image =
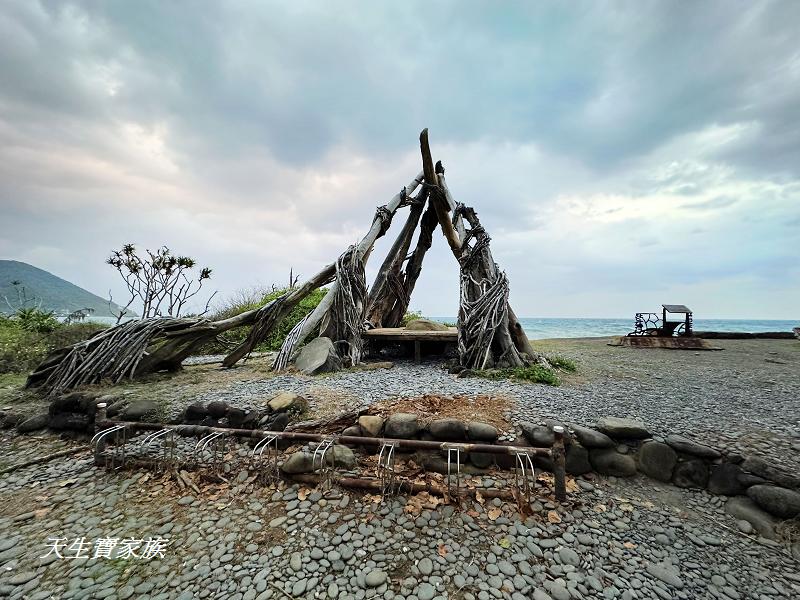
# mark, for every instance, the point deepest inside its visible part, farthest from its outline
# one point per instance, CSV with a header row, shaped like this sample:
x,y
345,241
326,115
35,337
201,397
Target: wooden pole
x,y
436,197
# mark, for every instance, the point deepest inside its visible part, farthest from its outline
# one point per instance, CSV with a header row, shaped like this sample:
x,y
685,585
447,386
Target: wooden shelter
x,y
488,331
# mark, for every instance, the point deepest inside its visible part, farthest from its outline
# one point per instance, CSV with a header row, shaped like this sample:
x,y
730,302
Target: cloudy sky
x,y
621,154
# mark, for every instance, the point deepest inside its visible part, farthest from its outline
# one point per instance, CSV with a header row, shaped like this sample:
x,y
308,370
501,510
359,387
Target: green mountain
x,y
29,286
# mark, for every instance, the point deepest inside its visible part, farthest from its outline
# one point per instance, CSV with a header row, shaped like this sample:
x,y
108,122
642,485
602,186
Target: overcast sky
x,y
621,155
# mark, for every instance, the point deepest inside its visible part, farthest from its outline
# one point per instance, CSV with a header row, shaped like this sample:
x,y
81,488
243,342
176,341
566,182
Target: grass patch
x,y
562,363
246,300
530,374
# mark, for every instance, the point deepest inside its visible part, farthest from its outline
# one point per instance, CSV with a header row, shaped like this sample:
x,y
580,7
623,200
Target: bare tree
x,y
160,280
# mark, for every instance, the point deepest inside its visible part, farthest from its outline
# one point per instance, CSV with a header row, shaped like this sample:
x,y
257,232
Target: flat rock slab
x,y
620,427
591,438
687,446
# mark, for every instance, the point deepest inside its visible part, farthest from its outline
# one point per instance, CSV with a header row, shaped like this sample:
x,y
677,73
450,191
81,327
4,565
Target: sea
x,y
540,328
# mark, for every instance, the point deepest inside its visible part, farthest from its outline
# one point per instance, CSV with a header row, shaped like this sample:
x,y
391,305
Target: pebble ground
x,y
616,538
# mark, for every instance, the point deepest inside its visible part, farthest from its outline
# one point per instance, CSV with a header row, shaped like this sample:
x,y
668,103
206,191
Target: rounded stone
x,y
657,460
375,578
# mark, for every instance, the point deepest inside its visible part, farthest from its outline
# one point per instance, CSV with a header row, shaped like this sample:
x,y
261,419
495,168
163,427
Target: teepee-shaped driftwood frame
x,y
489,333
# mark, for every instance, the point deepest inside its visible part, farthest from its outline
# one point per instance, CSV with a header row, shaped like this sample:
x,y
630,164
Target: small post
x,y
417,351
558,464
99,416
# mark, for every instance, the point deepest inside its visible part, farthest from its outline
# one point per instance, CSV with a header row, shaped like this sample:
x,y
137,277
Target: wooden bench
x,y
403,335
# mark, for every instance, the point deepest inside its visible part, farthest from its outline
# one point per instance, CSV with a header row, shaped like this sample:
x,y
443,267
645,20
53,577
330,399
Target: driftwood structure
x,y
489,333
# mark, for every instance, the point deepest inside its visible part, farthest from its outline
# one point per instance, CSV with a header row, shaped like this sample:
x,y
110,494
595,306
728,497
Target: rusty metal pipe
x,y
257,434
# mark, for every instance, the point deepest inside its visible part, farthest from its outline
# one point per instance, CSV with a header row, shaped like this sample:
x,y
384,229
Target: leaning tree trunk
x,y
405,284
322,317
387,286
489,333
128,350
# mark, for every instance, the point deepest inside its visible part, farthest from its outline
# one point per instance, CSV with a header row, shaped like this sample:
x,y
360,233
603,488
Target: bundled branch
x,y
349,303
113,354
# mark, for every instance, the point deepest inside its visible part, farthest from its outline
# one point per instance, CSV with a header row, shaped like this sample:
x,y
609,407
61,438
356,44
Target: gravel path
x,y
744,399
618,539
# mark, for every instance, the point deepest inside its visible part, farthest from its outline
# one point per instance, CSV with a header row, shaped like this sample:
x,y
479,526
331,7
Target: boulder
x,y
235,418
762,468
352,431
299,462
318,356
777,501
544,463
741,507
402,426
577,460
370,425
341,456
33,423
287,401
303,462
482,460
426,325
195,413
724,480
217,409
590,438
140,410
274,422
624,428
691,474
610,462
538,435
687,446
451,430
482,432
657,460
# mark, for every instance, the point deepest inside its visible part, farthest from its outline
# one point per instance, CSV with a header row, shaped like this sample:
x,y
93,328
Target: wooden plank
x,y
404,335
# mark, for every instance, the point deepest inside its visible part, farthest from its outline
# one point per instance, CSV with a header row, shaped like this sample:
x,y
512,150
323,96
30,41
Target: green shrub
x,y
22,349
36,320
411,315
248,300
562,363
532,374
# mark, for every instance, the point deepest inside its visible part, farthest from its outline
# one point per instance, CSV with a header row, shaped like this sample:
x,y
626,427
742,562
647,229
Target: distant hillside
x,y
54,294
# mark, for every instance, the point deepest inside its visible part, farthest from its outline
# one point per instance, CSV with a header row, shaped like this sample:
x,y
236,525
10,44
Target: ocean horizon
x,y
538,328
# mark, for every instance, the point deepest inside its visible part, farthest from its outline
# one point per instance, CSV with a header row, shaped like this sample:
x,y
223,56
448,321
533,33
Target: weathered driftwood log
x,y
128,350
413,268
388,285
485,324
322,312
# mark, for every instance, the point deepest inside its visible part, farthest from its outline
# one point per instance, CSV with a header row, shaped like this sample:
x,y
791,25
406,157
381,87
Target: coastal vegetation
x,y
28,335
254,298
534,373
